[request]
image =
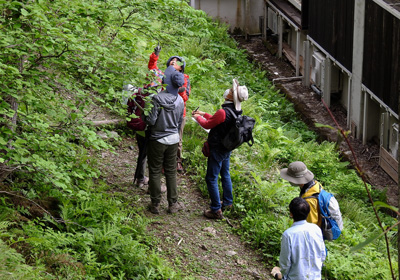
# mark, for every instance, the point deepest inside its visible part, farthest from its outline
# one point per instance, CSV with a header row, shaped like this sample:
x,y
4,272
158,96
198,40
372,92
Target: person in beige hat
x,y
298,175
219,157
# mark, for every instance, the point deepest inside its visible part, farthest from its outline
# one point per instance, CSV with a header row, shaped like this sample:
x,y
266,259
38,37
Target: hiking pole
x,y
137,104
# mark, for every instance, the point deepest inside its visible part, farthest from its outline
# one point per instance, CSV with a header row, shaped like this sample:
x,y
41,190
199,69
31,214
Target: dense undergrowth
x,y
60,60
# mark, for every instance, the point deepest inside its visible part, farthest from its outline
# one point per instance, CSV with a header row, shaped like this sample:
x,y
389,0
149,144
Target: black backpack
x,y
240,132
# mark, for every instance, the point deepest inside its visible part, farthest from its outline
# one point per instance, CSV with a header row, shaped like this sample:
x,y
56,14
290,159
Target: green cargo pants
x,y
159,156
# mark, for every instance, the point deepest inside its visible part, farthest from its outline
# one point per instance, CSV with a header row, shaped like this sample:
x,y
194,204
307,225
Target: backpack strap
x,y
315,195
231,111
251,141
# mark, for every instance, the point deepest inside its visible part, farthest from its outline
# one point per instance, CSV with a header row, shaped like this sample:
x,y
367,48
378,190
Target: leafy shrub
x,y
63,60
261,198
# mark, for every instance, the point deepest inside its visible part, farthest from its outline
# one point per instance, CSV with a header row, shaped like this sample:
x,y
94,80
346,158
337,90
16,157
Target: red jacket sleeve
x,y
184,94
153,62
185,98
187,85
211,121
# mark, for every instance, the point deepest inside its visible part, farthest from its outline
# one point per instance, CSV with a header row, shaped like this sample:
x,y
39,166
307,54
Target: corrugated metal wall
x,y
330,23
381,67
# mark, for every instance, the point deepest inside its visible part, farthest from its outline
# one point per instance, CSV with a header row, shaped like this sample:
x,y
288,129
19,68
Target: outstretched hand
x,y
157,49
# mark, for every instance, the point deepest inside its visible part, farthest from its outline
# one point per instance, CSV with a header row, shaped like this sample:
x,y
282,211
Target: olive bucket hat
x,y
297,173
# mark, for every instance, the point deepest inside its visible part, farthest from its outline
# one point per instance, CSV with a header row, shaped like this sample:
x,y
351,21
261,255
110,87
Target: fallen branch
x,y
108,122
228,221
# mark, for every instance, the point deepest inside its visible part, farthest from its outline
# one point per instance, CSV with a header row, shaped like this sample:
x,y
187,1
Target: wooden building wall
x,y
381,67
330,24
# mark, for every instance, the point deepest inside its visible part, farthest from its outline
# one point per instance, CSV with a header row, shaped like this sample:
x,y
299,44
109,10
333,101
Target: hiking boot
x,y
154,208
213,215
179,167
175,207
141,183
226,207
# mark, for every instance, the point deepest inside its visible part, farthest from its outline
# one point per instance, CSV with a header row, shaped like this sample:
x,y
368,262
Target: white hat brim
x,y
236,102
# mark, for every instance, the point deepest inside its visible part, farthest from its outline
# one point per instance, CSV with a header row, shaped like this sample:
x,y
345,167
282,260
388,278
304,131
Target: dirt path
x,y
201,248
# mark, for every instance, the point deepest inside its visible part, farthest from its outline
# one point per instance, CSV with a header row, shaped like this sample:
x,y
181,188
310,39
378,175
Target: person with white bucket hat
x,y
218,156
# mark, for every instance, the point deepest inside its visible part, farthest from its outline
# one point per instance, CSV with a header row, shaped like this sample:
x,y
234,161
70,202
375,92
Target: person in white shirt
x,y
302,246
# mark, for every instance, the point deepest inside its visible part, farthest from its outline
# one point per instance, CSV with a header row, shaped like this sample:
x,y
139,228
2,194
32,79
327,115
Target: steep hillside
x,y
63,214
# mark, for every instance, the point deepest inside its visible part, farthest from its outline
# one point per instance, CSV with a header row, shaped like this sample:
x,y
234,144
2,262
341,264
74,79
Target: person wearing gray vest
x,y
164,121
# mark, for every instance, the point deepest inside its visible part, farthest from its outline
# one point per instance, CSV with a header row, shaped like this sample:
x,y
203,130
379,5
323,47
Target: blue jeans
x,y
218,163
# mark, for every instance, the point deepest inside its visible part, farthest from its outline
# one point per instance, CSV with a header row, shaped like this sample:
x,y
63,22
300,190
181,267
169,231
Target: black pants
x,y
142,158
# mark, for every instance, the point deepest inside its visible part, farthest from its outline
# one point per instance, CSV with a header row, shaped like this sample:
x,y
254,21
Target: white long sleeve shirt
x,y
302,251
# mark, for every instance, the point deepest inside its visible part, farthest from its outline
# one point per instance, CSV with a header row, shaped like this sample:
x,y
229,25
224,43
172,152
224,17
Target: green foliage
x,y
13,265
261,198
266,215
64,61
368,264
105,250
61,61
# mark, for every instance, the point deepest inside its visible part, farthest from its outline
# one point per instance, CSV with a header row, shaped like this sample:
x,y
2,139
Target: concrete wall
x,y
292,37
233,12
357,103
